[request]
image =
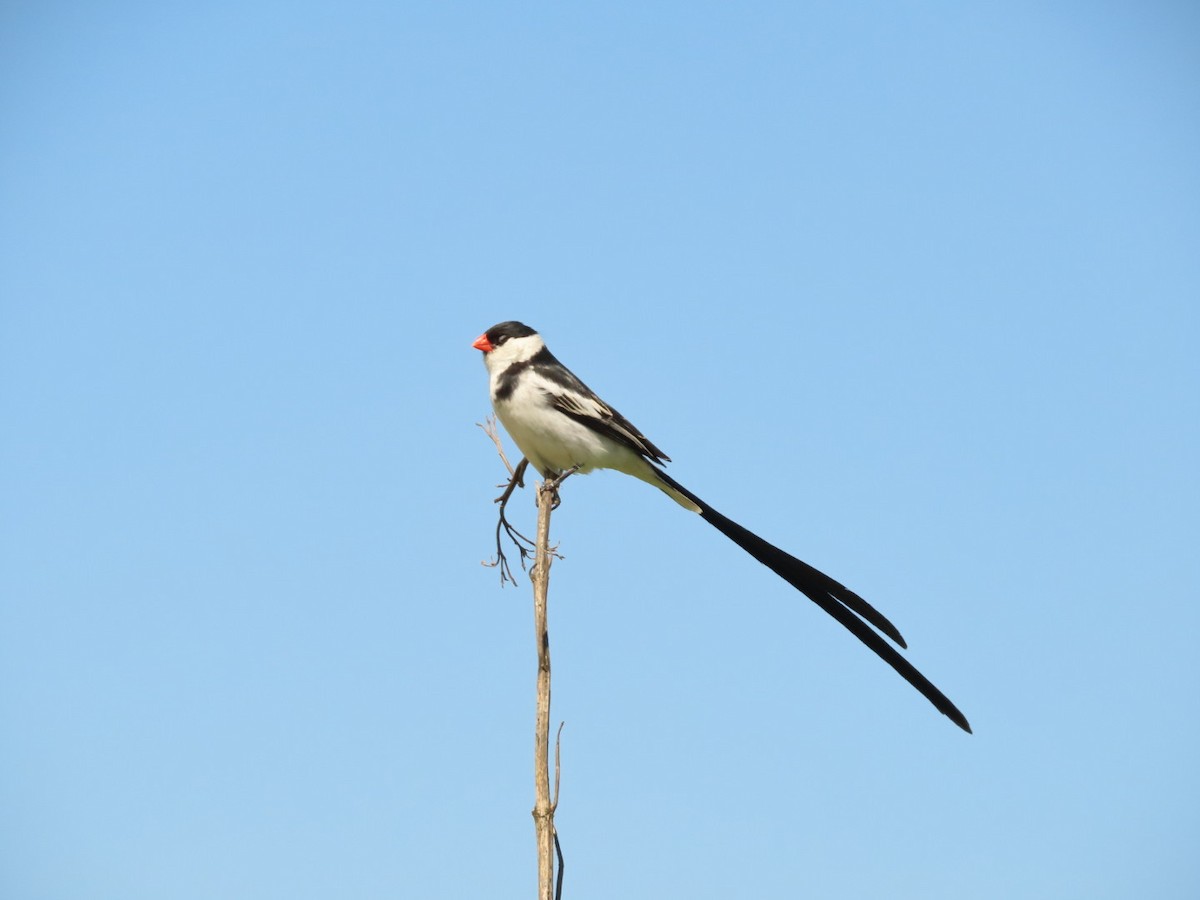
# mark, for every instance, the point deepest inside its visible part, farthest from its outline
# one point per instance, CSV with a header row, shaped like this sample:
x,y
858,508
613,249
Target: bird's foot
x,y
551,485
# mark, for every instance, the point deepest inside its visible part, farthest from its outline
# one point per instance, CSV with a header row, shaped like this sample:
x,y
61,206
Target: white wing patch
x,y
600,416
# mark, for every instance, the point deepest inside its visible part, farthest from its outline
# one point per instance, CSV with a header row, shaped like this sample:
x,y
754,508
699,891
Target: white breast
x,y
550,440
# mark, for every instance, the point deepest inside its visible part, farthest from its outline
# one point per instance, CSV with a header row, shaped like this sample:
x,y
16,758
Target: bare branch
x,y
543,812
525,545
543,555
516,479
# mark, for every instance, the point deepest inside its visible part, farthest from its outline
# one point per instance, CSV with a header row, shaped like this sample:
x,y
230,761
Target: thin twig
x,y
554,808
489,428
516,478
525,546
557,764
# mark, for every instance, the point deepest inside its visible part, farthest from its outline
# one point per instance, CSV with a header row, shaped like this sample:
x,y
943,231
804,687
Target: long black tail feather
x,y
833,597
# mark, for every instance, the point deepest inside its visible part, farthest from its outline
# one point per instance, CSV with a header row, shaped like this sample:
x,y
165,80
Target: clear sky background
x,y
910,289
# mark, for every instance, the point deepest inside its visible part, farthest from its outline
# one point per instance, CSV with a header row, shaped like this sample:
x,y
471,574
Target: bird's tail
x,y
833,597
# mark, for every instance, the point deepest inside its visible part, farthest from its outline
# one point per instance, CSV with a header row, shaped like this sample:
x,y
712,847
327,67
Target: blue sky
x,y
910,289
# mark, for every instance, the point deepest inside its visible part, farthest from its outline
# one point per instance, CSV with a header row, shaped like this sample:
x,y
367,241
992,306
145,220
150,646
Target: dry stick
x,y
544,806
543,810
516,479
525,547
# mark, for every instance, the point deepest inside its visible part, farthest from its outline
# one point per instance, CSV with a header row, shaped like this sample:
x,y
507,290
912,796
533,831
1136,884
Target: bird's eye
x,y
501,339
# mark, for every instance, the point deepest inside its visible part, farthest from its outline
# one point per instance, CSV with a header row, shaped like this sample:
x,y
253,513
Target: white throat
x,y
514,350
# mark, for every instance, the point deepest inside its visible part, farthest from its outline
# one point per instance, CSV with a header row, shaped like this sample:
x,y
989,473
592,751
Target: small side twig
x,y
526,547
557,764
489,428
554,808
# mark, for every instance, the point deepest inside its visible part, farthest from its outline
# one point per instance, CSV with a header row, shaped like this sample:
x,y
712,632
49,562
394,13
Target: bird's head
x,y
508,343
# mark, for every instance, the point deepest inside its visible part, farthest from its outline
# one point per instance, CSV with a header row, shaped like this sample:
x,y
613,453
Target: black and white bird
x,y
561,426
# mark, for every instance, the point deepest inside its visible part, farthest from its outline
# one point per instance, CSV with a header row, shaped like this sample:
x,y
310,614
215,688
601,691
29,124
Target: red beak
x,y
482,343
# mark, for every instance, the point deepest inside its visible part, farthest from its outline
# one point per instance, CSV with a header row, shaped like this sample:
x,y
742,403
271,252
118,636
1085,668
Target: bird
x,y
563,427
